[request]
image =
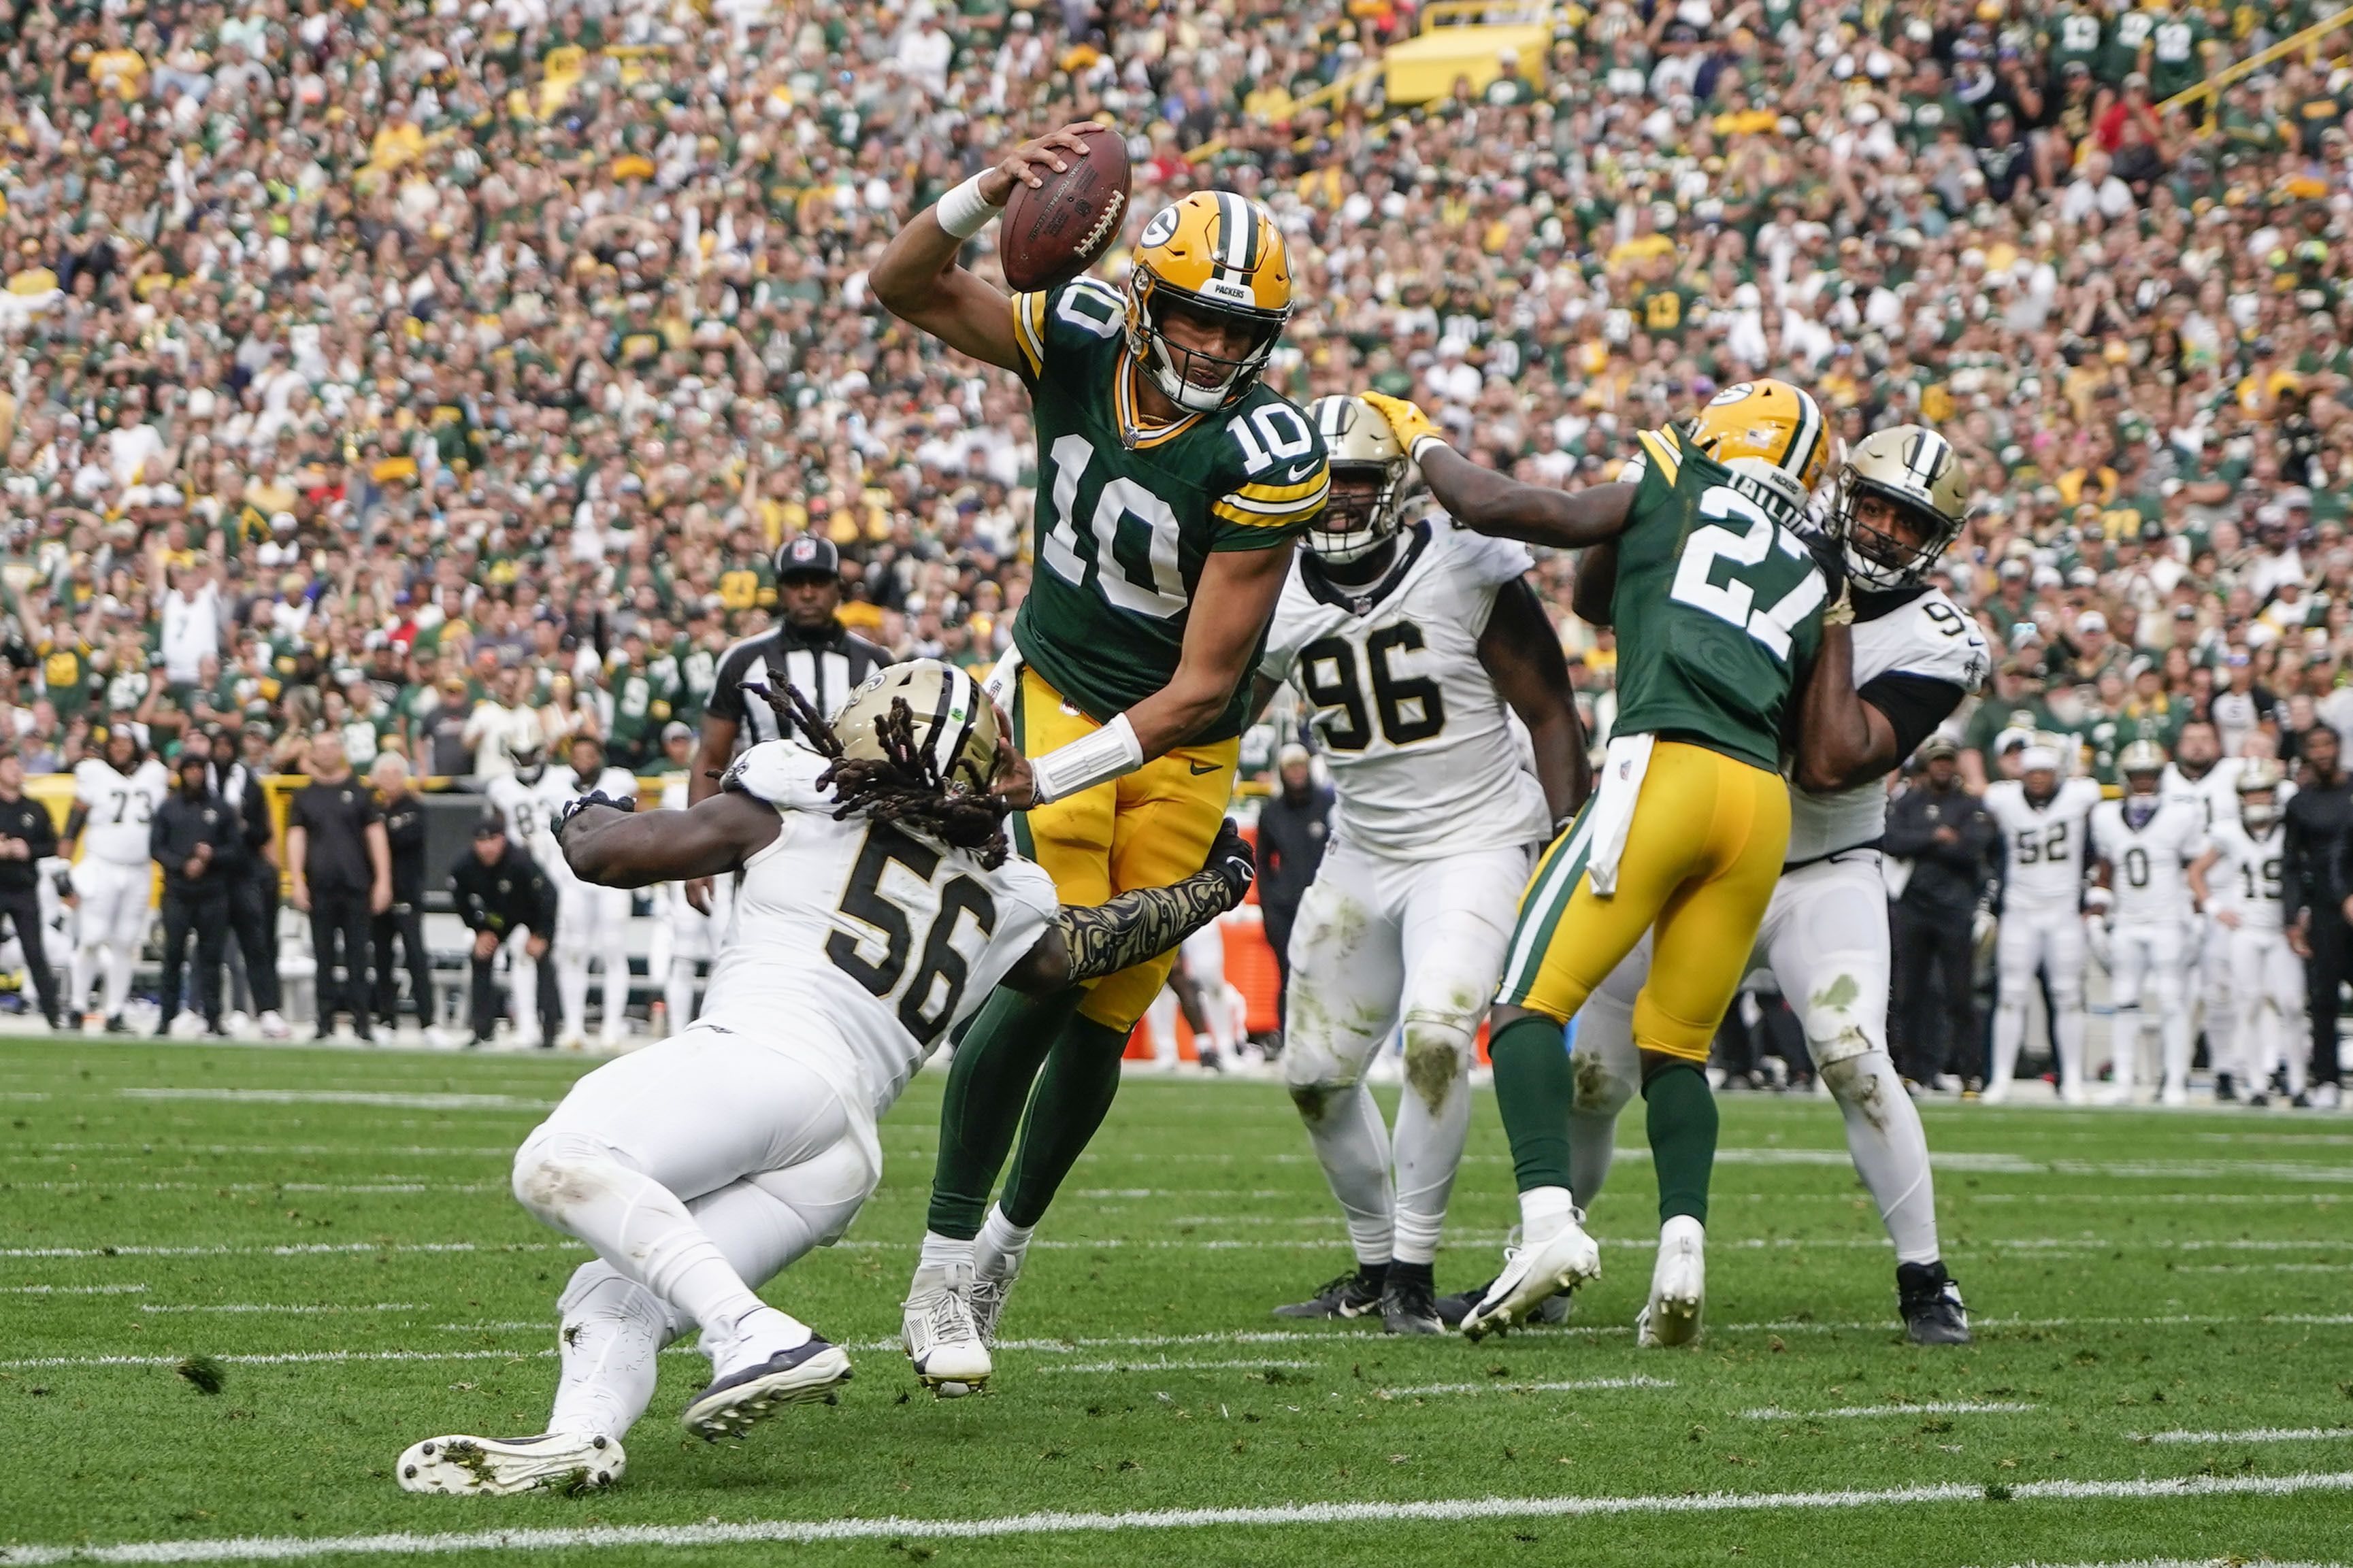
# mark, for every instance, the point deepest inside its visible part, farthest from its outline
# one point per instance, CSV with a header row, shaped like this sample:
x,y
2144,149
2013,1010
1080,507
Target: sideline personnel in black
x,y
1292,828
342,874
194,837
252,876
2319,822
28,836
1945,832
499,890
404,831
808,648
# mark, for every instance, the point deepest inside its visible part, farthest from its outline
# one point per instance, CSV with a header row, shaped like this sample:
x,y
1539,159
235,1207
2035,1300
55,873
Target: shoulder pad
x,y
782,773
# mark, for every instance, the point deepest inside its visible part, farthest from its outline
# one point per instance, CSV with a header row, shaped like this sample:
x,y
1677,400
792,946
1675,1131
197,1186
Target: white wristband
x,y
963,212
1099,758
1424,443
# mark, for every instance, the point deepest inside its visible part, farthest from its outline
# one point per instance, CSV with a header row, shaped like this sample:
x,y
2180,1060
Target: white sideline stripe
x,y
2112,1197
288,1358
72,1290
342,1188
1945,1407
2177,1563
285,1548
1429,1390
273,1307
420,1101
2254,1435
306,1250
1165,1364
142,1149
2267,1268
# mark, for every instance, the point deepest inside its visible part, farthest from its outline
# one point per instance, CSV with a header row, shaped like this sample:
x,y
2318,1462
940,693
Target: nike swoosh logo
x,y
1299,473
1197,769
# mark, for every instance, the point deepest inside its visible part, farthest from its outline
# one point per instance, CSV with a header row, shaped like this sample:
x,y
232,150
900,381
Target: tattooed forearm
x,y
1141,924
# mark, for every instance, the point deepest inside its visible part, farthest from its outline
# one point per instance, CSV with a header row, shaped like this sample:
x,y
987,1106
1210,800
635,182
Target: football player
x,y
2201,775
114,800
878,905
2266,977
1911,657
2045,822
1412,645
2140,845
590,922
1718,604
1172,482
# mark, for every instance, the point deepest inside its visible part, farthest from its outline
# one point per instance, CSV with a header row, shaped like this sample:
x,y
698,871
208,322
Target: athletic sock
x,y
1428,1139
998,1250
1681,1120
1534,1091
989,1084
1074,1094
948,1252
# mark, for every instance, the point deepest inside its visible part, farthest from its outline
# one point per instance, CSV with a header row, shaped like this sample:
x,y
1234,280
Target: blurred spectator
x,y
194,831
404,834
28,836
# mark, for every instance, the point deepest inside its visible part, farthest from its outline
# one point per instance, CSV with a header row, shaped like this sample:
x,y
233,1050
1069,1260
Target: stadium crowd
x,y
372,367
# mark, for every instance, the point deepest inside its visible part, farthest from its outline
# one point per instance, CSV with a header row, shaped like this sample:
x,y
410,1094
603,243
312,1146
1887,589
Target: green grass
x,y
2135,1273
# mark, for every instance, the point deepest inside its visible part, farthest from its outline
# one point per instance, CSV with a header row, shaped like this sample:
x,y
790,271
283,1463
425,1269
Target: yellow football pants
x,y
1149,830
1703,852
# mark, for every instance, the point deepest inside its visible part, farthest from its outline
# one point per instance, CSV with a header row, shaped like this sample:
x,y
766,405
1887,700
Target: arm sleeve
x,y
1913,705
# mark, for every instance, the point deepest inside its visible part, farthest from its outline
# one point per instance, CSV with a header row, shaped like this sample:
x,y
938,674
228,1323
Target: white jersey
x,y
2046,845
121,806
1925,638
2146,863
2215,796
887,936
1424,759
530,810
2249,870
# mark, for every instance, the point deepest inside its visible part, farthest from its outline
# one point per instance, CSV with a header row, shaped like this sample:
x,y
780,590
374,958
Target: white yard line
x,y
2179,1562
1165,1364
2256,1434
1435,1390
305,1249
337,1188
1446,1510
72,1290
144,1151
1945,1407
401,1101
269,1307
2265,1269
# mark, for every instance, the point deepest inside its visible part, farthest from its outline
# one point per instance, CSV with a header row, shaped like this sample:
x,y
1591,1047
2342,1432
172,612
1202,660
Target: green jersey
x,y
2178,48
1718,605
2127,36
2073,33
1127,516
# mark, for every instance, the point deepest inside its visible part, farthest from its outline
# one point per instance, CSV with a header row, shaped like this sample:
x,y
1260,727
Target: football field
x,y
2163,1372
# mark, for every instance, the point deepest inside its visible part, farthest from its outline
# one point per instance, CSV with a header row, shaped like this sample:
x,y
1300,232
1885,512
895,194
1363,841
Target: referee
x,y
27,837
807,648
195,838
341,866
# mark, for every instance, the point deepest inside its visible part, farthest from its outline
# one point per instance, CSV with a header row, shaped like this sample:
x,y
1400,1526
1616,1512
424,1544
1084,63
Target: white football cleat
x,y
1678,1287
1531,1276
806,1374
2173,1094
274,1027
987,1298
943,1336
500,1467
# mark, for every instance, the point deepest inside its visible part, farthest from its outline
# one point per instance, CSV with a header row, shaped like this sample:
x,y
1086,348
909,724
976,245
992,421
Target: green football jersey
x,y
1126,520
1718,605
2129,34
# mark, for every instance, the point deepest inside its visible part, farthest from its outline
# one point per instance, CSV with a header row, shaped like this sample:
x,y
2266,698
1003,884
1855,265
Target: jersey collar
x,y
1362,599
1870,603
1133,431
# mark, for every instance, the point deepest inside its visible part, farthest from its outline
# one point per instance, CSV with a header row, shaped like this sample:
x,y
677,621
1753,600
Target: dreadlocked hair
x,y
901,787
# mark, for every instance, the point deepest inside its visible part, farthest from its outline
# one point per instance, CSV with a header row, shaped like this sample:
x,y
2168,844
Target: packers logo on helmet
x,y
1217,259
1769,422
1368,471
1918,475
954,723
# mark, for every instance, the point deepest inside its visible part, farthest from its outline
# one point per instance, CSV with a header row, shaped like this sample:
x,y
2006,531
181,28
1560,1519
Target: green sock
x,y
1682,1116
988,1082
1075,1094
1534,1091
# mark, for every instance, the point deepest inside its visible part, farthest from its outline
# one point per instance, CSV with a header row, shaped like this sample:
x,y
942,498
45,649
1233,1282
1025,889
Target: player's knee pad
x,y
1437,1056
1860,1079
556,1172
1602,1088
1317,1076
2067,992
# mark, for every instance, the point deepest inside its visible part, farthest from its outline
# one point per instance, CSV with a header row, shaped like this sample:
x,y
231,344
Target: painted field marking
x,y
1454,1509
398,1101
2254,1435
1932,1407
1436,1390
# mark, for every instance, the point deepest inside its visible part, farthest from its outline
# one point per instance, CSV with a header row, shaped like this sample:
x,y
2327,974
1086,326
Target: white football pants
x,y
2146,965
698,1168
1825,939
1379,943
2267,979
694,941
593,922
2048,942
112,921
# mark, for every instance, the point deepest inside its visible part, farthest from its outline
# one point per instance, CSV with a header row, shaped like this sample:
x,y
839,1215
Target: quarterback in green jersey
x,y
1718,604
1172,483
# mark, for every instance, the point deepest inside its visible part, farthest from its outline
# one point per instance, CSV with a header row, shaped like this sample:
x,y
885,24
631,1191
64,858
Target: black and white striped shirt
x,y
825,669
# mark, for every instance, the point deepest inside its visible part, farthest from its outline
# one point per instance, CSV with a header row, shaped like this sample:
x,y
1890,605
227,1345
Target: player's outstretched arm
x,y
1140,924
1597,586
916,277
605,843
1487,502
1522,654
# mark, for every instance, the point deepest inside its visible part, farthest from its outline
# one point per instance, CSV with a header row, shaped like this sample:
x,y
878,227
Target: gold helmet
x,y
953,723
1916,471
1362,447
1214,255
2139,764
1770,430
2261,776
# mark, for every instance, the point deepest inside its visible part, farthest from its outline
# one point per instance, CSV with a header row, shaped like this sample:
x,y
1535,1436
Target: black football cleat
x,y
1354,1294
1931,1304
808,1374
1453,1309
1409,1303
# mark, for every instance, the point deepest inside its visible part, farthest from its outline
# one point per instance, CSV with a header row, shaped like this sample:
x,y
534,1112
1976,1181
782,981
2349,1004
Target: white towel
x,y
1622,767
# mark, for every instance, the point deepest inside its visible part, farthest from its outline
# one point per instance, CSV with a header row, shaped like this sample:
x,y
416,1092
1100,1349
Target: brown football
x,y
1053,232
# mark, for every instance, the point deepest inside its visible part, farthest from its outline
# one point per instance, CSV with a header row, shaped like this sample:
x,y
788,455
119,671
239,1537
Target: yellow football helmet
x,y
1769,421
1213,255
